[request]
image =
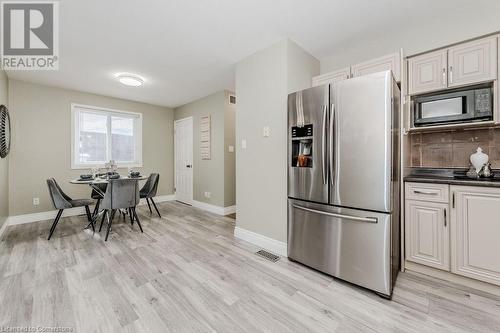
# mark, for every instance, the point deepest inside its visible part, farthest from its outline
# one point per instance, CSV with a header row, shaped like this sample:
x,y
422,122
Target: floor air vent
x,y
267,255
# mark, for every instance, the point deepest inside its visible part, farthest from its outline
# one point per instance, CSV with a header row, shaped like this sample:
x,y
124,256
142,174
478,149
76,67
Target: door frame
x,y
175,156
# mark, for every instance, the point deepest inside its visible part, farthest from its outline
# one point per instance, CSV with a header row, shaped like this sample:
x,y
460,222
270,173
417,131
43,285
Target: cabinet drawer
x,y
427,192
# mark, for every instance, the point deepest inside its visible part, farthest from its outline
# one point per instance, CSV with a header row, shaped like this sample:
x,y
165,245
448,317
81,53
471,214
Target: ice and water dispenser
x,y
302,146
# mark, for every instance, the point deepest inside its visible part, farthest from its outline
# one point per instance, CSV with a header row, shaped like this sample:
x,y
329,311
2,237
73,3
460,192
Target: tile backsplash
x,y
452,149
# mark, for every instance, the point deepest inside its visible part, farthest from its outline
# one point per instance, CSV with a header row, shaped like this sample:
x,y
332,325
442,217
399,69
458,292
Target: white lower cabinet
x,y
454,228
427,233
475,233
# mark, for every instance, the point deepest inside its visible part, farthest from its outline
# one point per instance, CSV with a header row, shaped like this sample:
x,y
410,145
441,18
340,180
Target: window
x,y
100,135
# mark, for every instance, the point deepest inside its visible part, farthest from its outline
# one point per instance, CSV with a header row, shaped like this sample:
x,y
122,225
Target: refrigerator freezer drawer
x,y
353,245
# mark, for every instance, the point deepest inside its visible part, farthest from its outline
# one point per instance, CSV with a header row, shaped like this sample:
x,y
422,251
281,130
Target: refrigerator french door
x,y
308,114
354,234
361,136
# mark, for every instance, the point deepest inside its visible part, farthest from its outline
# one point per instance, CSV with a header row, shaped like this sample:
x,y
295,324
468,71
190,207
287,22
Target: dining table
x,y
94,184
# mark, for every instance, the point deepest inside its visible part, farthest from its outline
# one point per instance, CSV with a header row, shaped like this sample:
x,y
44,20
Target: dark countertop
x,y
451,177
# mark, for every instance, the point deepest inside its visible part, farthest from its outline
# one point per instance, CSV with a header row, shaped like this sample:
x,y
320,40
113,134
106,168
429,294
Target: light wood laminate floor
x,y
187,273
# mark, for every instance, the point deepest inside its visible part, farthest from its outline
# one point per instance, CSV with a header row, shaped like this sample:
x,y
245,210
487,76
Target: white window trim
x,y
138,133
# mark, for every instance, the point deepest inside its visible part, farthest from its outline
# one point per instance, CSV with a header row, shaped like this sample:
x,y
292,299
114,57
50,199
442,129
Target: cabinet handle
x,y
451,74
445,223
424,192
453,200
444,76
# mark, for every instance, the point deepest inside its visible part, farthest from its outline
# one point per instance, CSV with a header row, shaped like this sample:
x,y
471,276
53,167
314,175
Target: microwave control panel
x,y
483,101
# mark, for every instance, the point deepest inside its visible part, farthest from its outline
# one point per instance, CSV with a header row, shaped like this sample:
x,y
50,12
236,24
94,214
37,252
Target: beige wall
x,y
417,35
263,81
209,175
41,131
229,157
4,162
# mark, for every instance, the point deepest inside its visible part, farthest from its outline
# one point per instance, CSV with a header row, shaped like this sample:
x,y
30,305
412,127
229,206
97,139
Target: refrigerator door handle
x,y
330,142
342,216
323,144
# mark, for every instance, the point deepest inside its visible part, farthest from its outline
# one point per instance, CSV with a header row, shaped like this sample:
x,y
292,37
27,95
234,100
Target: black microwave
x,y
473,105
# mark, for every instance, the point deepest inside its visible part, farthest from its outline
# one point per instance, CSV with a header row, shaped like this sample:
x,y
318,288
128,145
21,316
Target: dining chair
x,y
120,194
98,196
148,191
61,201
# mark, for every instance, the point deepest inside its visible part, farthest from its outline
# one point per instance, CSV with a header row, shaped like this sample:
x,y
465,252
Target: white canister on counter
x,y
478,159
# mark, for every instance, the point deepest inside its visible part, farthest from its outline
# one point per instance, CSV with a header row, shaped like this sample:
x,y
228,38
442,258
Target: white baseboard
x,y
2,229
159,198
42,216
214,209
50,215
229,210
265,242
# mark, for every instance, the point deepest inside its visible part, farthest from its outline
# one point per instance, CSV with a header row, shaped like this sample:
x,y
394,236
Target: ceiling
x,y
187,49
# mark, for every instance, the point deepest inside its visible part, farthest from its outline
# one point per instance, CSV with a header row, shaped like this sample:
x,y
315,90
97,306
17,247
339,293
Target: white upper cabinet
x,y
472,62
427,72
464,64
332,77
475,233
389,62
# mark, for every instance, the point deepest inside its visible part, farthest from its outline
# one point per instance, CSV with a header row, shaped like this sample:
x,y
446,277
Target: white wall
x,y
4,162
41,142
213,174
418,34
263,81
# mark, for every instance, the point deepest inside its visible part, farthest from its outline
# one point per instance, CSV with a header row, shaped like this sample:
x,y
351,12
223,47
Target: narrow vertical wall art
x,y
205,138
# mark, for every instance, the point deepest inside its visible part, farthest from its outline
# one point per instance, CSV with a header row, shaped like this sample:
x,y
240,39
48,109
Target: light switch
x,y
243,144
231,149
266,131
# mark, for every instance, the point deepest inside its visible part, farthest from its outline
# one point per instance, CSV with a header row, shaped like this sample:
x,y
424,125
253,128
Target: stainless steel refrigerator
x,y
343,180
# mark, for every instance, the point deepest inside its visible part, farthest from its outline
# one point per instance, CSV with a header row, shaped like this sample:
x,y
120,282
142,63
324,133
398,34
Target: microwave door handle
x,y
323,144
330,139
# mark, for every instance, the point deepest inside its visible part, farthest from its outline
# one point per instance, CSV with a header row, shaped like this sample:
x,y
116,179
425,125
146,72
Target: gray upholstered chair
x,y
61,202
148,191
97,196
120,194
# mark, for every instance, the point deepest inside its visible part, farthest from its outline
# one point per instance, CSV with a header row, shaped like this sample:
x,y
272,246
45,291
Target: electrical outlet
x,y
36,201
244,144
207,194
231,149
266,131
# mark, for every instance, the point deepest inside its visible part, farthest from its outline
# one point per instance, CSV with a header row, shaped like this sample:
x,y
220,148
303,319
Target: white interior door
x,y
183,151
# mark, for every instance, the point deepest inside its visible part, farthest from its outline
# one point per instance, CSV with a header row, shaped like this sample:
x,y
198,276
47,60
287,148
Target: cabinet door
x,y
473,62
389,62
427,239
332,77
475,233
427,72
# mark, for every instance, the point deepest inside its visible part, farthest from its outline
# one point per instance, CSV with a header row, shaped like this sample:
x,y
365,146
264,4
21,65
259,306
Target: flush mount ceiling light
x,y
129,79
